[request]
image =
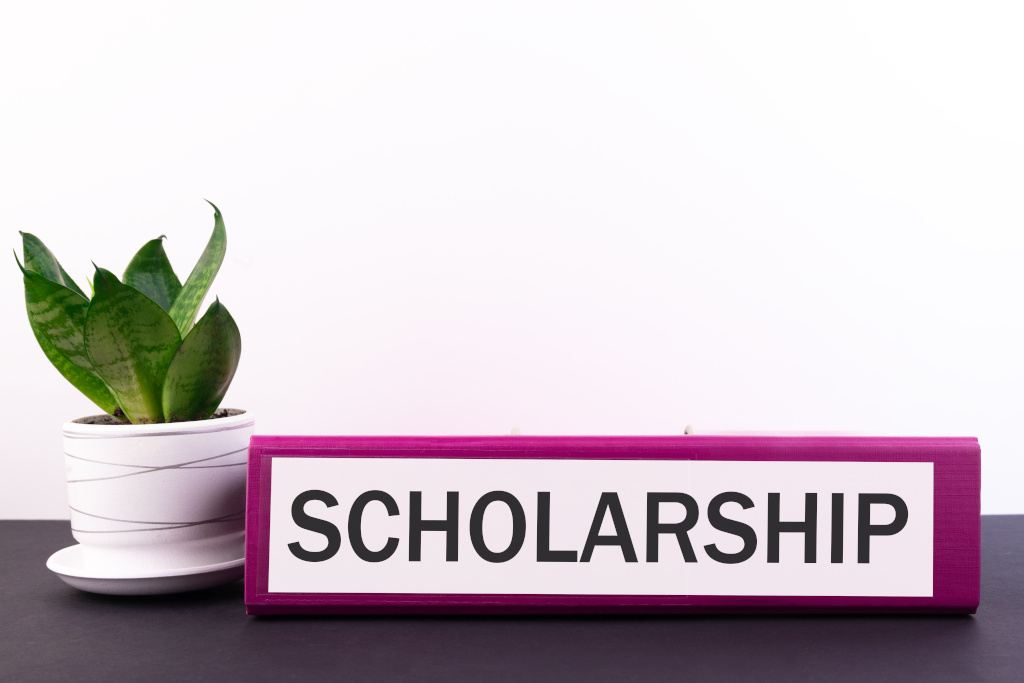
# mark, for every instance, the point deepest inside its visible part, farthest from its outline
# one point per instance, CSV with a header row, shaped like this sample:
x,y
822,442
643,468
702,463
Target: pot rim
x,y
74,429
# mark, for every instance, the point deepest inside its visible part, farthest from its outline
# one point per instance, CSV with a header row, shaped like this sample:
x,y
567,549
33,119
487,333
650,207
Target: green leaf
x,y
41,260
130,341
57,315
203,367
185,307
150,272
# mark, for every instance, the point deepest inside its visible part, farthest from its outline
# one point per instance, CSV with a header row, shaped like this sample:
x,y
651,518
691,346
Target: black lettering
x,y
679,529
837,528
731,526
865,529
449,525
476,526
355,527
808,527
320,526
609,503
544,551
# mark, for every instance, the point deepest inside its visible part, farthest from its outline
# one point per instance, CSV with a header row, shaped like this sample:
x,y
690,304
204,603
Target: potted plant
x,y
156,484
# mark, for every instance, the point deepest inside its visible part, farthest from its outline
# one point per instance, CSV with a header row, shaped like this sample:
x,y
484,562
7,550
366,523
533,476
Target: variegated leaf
x,y
150,272
187,304
57,316
41,260
203,367
130,341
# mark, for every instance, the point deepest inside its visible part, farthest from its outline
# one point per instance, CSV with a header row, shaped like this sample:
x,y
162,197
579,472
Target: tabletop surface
x,y
50,631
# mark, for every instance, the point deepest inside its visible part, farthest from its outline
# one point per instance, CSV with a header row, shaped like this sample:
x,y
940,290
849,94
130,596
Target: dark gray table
x,y
49,631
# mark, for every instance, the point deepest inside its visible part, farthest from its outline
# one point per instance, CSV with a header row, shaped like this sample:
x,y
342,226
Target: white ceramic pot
x,y
154,500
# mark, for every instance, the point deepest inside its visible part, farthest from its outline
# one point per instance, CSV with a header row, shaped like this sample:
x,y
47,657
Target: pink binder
x,y
673,524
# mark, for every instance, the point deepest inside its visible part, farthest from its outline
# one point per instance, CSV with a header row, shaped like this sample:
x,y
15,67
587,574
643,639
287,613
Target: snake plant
x,y
135,349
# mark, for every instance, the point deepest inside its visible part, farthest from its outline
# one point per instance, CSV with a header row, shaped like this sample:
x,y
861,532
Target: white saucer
x,y
69,565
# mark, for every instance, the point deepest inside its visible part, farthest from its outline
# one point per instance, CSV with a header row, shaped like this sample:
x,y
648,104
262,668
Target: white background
x,y
574,218
900,565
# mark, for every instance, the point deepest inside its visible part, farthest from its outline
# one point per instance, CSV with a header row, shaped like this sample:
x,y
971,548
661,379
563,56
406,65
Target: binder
x,y
612,525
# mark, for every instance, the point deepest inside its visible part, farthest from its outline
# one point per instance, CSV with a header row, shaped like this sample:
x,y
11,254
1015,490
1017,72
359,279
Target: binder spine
x,y
956,463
